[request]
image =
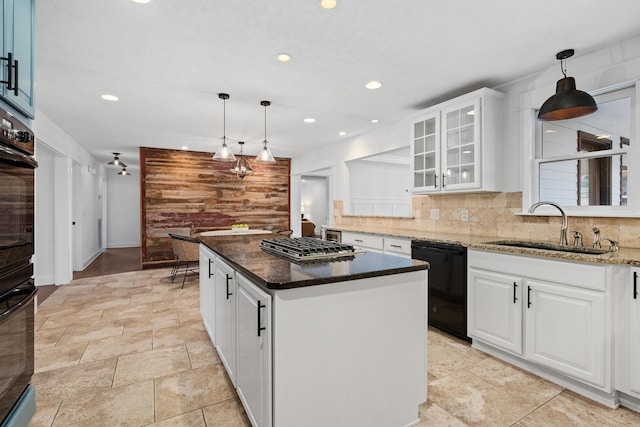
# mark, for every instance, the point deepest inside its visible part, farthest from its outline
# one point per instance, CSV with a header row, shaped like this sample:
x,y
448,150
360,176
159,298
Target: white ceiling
x,y
167,61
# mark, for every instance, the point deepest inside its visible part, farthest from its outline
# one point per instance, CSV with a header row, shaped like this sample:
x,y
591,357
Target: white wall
x,y
82,187
123,209
379,189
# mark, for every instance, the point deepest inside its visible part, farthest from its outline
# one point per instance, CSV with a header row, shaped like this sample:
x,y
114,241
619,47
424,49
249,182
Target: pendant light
x,y
265,155
116,161
124,172
225,154
568,102
243,167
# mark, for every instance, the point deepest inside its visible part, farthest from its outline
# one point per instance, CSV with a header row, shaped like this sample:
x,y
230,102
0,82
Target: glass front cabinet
x,y
456,145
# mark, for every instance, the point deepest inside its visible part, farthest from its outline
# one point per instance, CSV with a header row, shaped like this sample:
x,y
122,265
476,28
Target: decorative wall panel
x,y
185,192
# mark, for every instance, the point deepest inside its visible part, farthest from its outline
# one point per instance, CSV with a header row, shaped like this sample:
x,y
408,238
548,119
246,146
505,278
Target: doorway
x,y
315,201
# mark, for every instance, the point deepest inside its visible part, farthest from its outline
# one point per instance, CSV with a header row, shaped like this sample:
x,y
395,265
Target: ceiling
x,y
168,60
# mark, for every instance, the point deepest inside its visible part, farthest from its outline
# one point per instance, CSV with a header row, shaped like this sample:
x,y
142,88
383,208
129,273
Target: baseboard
x,y
123,245
92,258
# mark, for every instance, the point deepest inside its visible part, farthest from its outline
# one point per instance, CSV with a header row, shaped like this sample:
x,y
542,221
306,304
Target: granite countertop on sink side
x,y
625,255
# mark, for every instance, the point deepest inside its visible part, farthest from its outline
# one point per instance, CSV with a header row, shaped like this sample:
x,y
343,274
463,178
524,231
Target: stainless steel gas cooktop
x,y
307,248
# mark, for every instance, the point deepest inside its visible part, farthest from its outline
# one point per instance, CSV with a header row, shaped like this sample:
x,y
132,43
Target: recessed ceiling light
x,y
342,133
328,4
108,97
141,1
373,85
283,57
375,121
309,120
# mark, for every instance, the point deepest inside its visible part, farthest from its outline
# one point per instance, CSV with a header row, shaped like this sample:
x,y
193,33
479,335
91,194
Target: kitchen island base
x,y
351,353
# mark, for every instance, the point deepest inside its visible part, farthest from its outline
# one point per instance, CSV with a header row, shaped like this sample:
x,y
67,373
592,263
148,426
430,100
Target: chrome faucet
x,y
563,228
596,237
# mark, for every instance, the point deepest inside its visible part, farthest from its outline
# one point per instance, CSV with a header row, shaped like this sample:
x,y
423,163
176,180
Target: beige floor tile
x,y
62,309
91,332
45,413
229,413
66,321
38,321
564,412
58,384
184,333
58,356
151,364
129,292
189,315
622,415
117,346
107,301
127,312
149,298
476,402
431,415
447,356
193,389
520,384
168,304
151,322
190,419
202,353
47,337
126,406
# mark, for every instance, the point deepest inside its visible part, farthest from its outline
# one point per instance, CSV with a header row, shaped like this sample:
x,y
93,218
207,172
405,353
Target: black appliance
x,y
447,285
17,290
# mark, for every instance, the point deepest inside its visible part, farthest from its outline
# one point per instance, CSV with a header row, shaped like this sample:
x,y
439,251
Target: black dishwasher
x,y
447,284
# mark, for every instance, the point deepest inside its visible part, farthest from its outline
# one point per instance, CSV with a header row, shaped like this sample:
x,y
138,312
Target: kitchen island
x,y
318,343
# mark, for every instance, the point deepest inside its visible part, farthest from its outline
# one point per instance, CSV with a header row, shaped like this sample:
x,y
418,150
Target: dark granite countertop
x,y
273,272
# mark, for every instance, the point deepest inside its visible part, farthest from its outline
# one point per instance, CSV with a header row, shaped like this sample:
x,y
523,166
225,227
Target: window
x,y
583,162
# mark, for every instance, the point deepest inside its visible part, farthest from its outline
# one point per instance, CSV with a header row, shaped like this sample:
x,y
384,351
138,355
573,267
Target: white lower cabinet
x,y
552,317
397,247
225,315
495,314
628,339
207,290
370,242
253,373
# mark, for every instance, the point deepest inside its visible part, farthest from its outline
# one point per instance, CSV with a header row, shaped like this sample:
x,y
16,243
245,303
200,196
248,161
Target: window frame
x,y
531,165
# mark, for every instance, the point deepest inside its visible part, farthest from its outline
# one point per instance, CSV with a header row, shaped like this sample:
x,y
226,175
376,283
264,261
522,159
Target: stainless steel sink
x,y
549,246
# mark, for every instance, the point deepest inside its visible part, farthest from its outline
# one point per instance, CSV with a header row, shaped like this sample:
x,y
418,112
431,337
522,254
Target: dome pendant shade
x,y
116,161
568,102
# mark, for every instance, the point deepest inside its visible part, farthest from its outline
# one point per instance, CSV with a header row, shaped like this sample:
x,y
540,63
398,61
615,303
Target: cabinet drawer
x,y
397,246
363,240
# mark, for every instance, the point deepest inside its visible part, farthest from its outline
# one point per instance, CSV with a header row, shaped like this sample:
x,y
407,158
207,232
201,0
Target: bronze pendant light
x,y
568,102
243,167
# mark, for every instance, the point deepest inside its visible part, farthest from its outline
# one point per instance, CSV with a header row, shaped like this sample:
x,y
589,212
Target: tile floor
x,y
130,350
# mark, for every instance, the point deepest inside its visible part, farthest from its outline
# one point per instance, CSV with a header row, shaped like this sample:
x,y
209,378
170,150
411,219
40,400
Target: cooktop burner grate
x,y
307,248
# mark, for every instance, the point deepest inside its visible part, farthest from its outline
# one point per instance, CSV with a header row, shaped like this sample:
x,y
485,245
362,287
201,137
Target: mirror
x,y
584,161
379,185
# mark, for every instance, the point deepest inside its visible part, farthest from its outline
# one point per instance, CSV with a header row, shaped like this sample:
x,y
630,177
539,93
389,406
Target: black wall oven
x,y
17,290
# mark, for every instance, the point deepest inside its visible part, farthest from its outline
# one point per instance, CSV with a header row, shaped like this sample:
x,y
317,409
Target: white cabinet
x,y
495,309
225,316
548,313
456,145
366,241
207,290
627,337
565,330
398,247
253,379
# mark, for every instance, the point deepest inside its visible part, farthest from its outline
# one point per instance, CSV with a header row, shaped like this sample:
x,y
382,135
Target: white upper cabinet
x,y
456,146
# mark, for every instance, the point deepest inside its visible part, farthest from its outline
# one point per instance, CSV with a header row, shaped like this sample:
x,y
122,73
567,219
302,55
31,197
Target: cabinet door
x,y
18,39
225,316
254,351
461,146
565,330
634,331
425,153
495,309
207,290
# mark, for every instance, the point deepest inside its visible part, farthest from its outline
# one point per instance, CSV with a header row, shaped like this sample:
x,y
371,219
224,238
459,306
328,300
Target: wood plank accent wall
x,y
183,192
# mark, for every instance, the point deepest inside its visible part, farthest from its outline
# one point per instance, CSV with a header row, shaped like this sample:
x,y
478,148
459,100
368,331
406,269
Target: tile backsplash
x,y
490,215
